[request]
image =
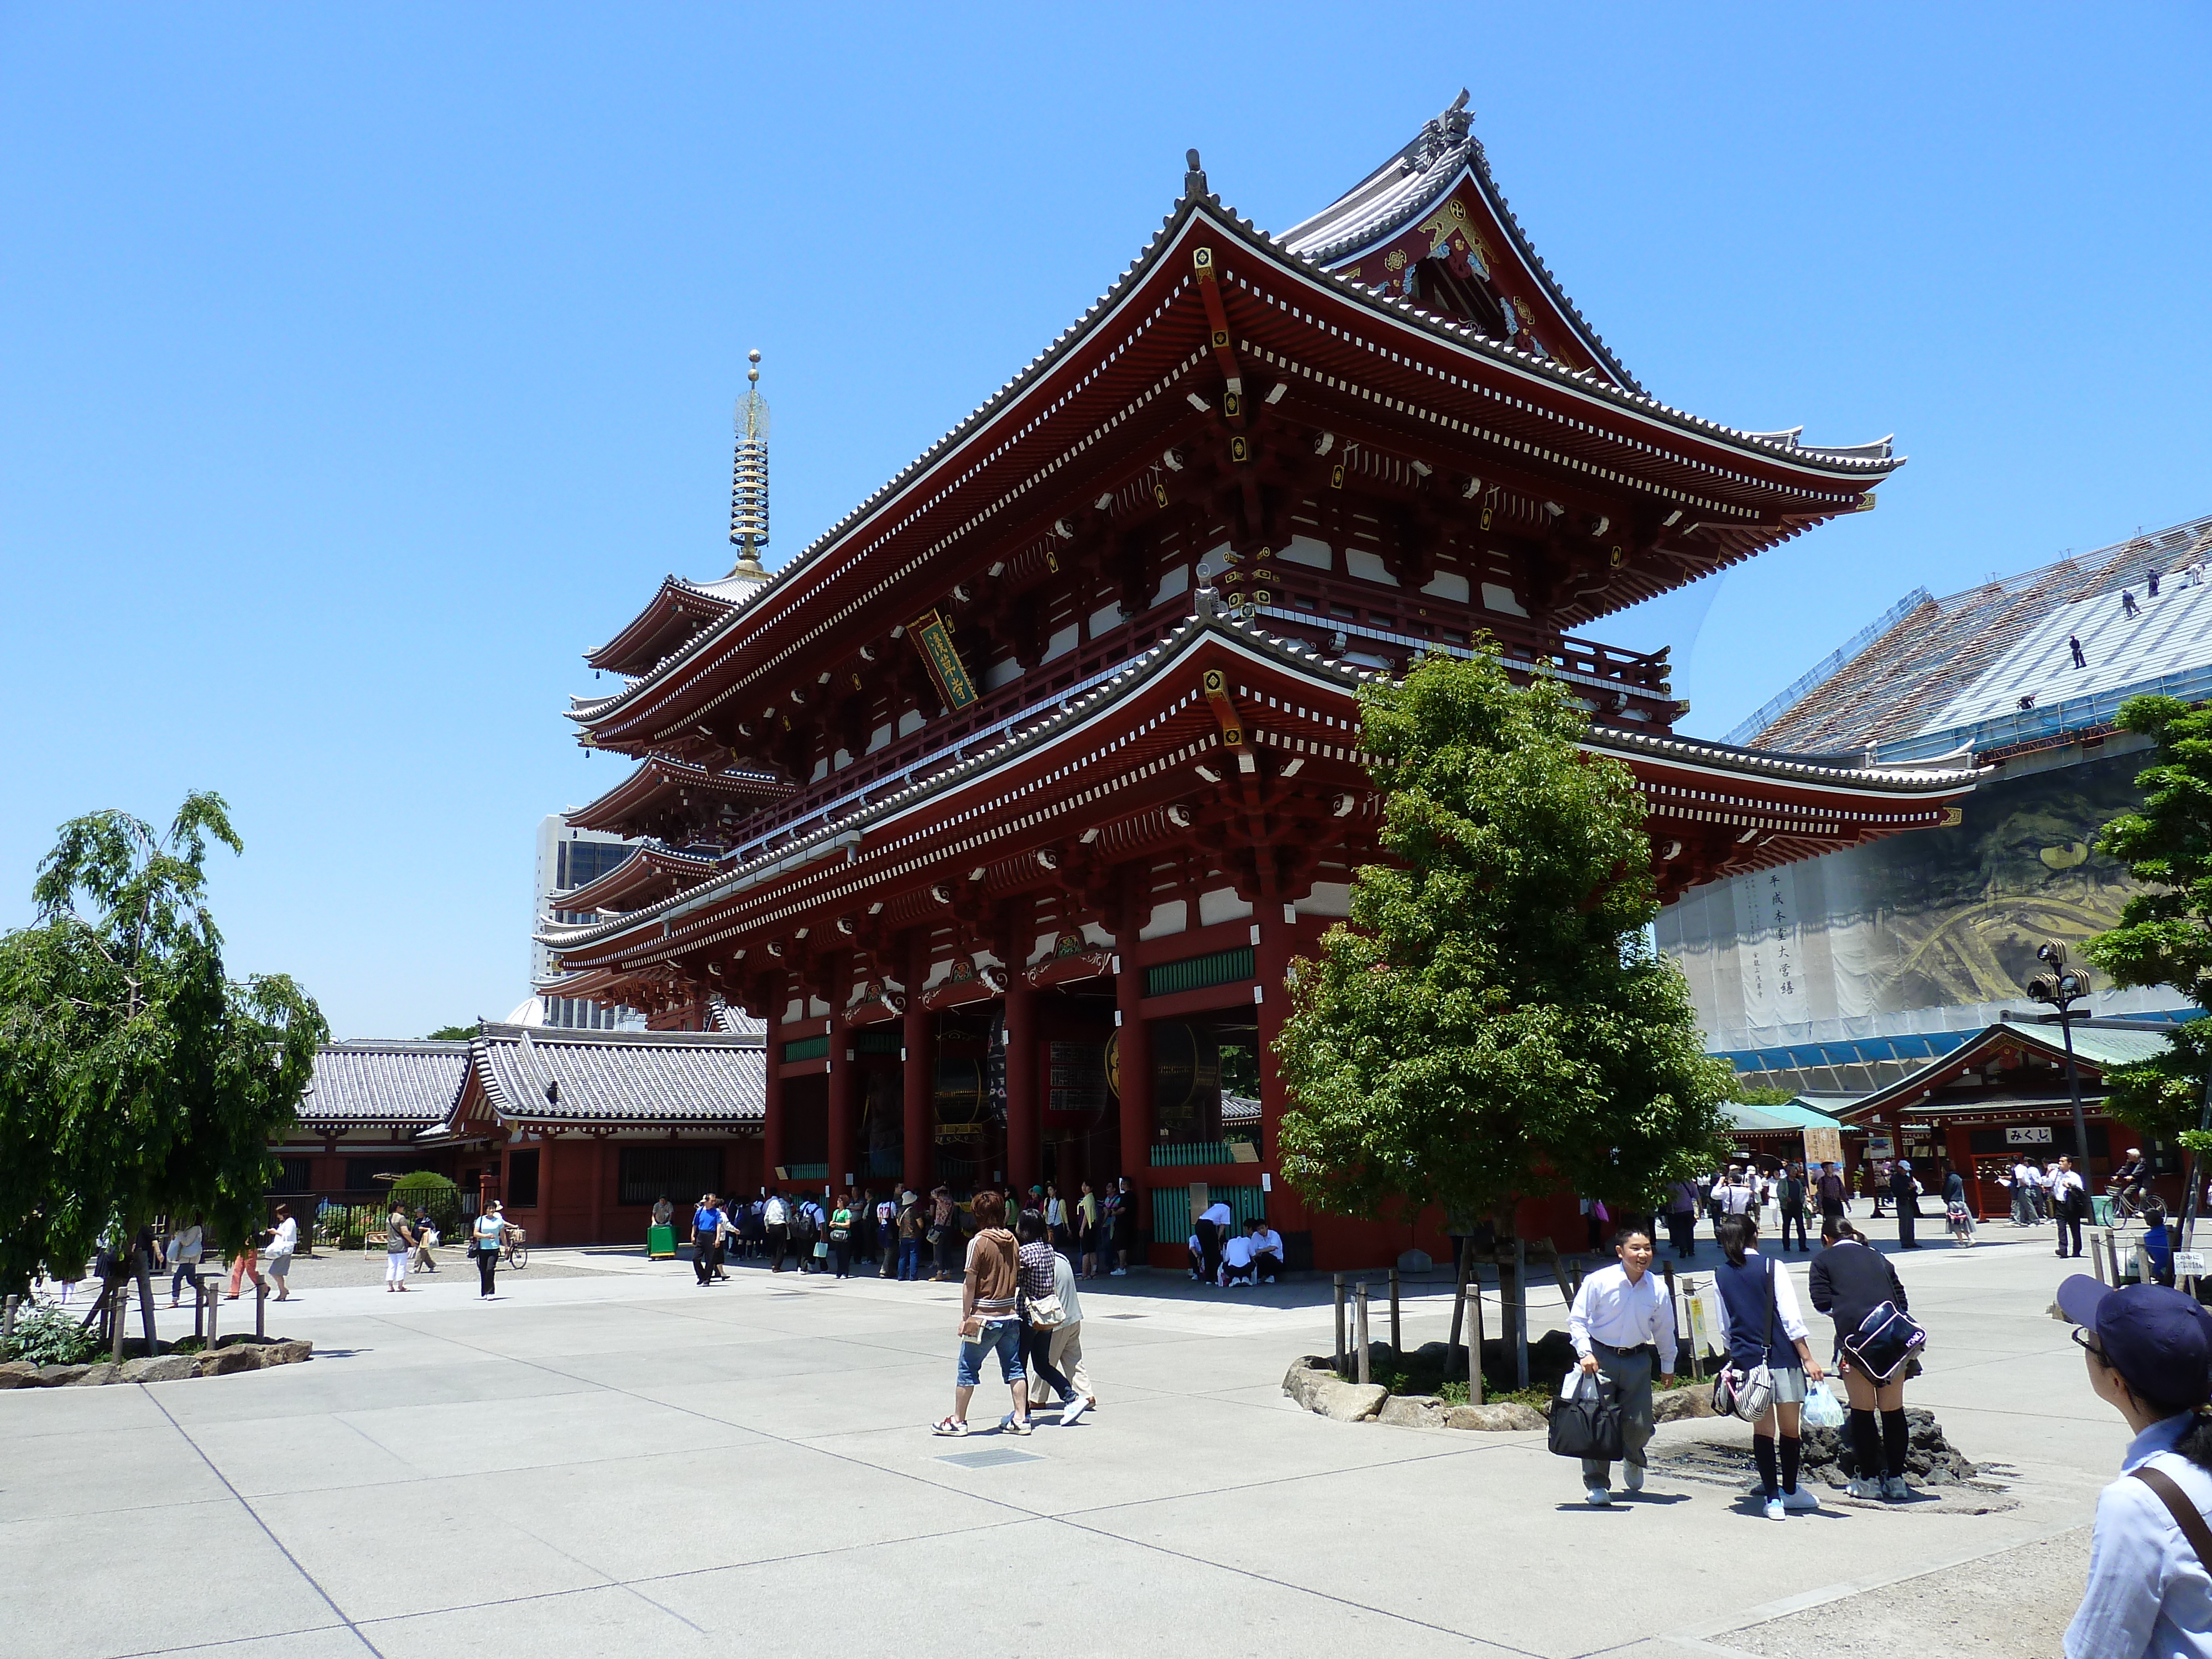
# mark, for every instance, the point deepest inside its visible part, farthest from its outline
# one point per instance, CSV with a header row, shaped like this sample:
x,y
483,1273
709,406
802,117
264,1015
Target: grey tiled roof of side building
x,y
622,1076
377,1081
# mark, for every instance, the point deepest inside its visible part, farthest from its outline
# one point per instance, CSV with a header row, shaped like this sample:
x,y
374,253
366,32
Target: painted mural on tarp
x,y
1933,930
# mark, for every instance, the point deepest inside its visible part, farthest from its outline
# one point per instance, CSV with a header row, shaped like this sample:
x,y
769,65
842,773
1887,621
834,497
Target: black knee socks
x,y
1895,1437
1769,1475
1791,1446
1866,1446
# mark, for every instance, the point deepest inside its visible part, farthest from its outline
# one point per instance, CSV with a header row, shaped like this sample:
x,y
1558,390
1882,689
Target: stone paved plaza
x,y
618,1462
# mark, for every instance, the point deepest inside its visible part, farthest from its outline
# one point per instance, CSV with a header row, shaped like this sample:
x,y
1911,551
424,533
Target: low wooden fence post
x,y
1361,1291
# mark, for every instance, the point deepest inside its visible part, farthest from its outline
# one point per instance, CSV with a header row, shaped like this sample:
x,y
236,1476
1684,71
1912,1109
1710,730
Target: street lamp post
x,y
2061,987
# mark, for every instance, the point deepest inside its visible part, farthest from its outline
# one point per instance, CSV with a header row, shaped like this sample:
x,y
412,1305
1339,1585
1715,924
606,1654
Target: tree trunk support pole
x,y
1361,1290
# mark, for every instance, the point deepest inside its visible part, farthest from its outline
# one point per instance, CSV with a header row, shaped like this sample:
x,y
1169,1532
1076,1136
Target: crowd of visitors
x,y
905,1235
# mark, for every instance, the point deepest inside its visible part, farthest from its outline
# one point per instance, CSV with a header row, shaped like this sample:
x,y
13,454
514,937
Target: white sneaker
x,y
1894,1491
1800,1502
1775,1511
1119,1272
1598,1496
1074,1414
1868,1492
1633,1474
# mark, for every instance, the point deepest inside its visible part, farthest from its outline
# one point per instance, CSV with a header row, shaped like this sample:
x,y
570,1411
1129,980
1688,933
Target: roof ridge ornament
x,y
749,480
1194,176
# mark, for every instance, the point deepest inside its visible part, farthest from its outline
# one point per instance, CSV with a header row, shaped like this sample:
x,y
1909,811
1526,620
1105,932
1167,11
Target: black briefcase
x,y
1589,1423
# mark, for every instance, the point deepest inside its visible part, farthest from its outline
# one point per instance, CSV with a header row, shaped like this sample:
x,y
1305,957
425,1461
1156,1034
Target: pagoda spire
x,y
749,480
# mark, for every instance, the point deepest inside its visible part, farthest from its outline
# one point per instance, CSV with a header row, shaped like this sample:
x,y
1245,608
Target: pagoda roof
x,y
660,783
1821,790
1408,188
1385,361
550,1076
651,871
677,611
379,1081
2095,1052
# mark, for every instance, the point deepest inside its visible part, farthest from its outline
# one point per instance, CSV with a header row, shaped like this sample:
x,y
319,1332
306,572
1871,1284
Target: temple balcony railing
x,y
1619,687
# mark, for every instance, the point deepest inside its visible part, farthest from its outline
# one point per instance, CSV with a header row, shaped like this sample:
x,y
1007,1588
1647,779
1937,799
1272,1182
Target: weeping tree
x,y
1495,1024
137,1082
2165,935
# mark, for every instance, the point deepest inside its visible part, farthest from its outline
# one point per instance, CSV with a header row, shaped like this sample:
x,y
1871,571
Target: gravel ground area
x,y
2016,1603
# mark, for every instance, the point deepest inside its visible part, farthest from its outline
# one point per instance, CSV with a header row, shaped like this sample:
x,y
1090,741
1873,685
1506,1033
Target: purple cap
x,y
2158,1340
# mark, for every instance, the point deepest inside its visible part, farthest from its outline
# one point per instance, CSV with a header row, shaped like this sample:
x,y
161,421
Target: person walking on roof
x,y
2074,645
2128,605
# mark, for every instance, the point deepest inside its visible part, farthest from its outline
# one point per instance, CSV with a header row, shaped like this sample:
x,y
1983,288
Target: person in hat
x,y
1905,1195
2149,1357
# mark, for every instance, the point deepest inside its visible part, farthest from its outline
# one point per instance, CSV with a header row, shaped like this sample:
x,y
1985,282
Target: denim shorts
x,y
1004,1335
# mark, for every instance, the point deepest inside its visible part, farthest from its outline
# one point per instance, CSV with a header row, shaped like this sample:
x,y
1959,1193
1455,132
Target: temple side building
x,y
1004,804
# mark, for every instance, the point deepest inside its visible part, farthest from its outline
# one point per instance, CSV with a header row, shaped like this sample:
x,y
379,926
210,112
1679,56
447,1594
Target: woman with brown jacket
x,y
990,1318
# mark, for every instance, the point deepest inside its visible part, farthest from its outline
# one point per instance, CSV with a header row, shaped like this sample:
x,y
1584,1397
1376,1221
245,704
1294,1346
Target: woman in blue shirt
x,y
2150,1355
1761,1325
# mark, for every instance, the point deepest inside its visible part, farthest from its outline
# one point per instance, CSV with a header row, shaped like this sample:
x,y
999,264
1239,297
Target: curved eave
x,y
656,778
676,606
844,835
650,867
1391,217
1017,399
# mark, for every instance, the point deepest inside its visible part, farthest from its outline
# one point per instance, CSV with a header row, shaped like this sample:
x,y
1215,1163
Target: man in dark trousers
x,y
1789,1198
1903,1192
1830,1191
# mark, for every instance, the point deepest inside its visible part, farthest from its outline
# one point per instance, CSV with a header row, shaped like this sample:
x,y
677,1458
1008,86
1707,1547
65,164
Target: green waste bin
x,y
660,1243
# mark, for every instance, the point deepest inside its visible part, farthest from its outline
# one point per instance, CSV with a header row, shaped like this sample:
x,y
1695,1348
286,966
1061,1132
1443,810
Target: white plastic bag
x,y
1822,1410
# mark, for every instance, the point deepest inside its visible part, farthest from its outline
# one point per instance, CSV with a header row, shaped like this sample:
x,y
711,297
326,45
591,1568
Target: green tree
x,y
1495,1024
452,1034
2165,935
135,1080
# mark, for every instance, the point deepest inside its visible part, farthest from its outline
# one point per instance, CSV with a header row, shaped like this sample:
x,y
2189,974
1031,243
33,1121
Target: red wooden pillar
x,y
1024,1111
546,1190
919,1079
1134,1070
1958,1147
772,1115
844,1077
598,1188
1271,967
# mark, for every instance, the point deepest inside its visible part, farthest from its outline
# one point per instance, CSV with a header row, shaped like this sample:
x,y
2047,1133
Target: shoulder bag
x,y
1749,1394
1586,1423
1884,1341
2186,1515
1044,1313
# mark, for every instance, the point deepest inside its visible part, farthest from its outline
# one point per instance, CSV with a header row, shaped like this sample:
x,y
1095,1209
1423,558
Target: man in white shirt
x,y
1735,1195
1620,1320
2024,1184
2069,1202
1212,1226
1266,1253
1237,1257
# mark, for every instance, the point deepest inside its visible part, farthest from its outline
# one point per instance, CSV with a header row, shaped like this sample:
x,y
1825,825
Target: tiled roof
x,y
542,1074
385,1082
835,832
1859,466
1397,195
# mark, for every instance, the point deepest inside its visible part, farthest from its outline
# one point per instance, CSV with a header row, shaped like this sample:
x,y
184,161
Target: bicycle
x,y
513,1246
2127,1204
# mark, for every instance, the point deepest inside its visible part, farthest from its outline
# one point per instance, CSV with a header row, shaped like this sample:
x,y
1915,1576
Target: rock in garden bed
x,y
230,1355
1313,1384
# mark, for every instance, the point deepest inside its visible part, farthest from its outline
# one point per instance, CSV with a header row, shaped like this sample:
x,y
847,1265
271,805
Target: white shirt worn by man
x,y
2024,1175
1735,1199
1236,1250
1220,1215
1609,1310
1267,1242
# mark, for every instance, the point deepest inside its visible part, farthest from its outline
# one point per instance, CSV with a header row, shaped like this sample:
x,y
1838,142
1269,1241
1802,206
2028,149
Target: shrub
x,y
423,1190
47,1336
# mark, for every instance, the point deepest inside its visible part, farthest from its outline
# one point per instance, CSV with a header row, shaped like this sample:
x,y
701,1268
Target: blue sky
x,y
360,368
